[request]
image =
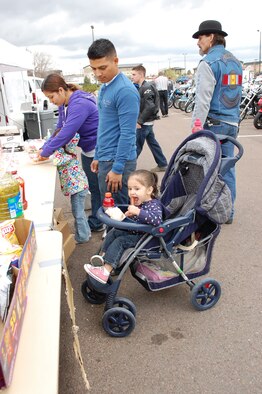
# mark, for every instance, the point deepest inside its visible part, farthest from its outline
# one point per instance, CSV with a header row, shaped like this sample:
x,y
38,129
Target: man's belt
x,y
213,122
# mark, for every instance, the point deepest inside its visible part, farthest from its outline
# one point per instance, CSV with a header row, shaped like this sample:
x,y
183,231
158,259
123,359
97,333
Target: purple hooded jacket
x,y
80,117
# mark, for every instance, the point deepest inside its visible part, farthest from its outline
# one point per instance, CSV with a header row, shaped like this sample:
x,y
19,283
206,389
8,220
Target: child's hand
x,y
132,210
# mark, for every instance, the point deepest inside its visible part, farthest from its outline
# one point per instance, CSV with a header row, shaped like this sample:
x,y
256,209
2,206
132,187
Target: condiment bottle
x,y
108,201
10,199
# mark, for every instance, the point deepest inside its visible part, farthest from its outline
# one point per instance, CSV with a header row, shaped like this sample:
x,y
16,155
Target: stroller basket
x,y
156,274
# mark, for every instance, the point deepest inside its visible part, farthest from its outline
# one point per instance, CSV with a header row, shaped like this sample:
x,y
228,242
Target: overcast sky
x,y
155,33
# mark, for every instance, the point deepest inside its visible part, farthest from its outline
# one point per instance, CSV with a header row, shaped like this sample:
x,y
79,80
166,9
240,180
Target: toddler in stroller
x,y
145,208
179,249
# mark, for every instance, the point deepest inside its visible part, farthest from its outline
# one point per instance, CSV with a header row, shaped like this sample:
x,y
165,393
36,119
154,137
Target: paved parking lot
x,y
175,349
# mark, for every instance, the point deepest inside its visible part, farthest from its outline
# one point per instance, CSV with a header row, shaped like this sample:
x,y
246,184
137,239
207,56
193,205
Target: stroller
x,y
180,249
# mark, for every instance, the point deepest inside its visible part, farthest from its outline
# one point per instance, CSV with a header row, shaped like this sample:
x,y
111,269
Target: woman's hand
x,y
39,157
94,166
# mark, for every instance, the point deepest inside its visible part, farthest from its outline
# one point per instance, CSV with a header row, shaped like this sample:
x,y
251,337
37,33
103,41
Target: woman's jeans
x,y
227,151
94,223
82,229
121,197
115,243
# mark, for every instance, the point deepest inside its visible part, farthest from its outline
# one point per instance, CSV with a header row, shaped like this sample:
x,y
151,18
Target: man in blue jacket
x,y
218,91
118,109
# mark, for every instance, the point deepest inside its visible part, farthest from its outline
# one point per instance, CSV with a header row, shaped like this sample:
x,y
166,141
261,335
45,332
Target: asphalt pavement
x,y
175,349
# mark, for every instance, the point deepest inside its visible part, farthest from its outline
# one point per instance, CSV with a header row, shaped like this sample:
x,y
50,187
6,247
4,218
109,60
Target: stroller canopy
x,y
193,181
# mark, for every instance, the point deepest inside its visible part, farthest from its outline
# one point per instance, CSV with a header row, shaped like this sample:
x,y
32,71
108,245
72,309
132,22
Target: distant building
x,y
124,68
77,79
251,70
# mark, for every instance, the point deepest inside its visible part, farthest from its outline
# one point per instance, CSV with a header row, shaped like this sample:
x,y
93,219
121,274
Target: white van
x,y
40,101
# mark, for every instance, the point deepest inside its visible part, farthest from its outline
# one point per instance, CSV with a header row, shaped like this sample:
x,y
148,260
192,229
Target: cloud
x,y
158,32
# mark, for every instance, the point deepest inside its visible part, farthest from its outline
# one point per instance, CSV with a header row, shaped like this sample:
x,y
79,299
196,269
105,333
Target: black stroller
x,y
179,250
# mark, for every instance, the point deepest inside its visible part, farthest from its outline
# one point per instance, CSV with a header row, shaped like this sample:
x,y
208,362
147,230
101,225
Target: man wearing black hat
x,y
218,90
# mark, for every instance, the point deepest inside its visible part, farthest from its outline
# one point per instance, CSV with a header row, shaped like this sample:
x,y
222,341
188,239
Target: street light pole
x,y
93,37
259,57
184,60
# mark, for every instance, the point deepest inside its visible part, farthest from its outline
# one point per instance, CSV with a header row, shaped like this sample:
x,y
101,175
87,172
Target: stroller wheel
x,y
91,295
205,294
125,303
118,322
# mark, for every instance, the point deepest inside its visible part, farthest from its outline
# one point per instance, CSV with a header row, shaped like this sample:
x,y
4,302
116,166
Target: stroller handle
x,y
229,162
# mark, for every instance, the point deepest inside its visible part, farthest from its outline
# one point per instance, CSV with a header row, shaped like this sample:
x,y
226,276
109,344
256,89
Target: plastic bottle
x,y
197,125
22,188
10,199
108,201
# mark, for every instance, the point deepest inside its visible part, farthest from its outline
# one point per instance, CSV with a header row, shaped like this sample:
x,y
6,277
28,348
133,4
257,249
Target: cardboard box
x,y
60,224
11,330
69,246
58,215
64,228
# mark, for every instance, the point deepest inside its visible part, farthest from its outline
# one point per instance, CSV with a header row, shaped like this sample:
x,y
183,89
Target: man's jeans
x,y
227,151
115,243
146,133
163,96
121,197
82,229
94,223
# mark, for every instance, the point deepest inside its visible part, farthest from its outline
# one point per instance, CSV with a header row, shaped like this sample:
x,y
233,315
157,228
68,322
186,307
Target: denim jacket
x,y
227,71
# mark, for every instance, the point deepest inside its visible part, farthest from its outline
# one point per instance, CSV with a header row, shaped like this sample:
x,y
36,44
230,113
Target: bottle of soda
x,y
197,126
108,201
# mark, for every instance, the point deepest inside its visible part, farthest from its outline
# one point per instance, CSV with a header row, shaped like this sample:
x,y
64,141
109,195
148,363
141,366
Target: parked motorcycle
x,y
177,93
258,117
248,105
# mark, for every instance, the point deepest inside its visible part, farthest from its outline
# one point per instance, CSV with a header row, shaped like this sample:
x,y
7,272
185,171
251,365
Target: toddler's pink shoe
x,y
98,273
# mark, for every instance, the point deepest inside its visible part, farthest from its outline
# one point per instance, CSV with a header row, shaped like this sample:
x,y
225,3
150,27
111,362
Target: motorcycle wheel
x,y
182,105
176,103
170,103
243,112
190,106
258,120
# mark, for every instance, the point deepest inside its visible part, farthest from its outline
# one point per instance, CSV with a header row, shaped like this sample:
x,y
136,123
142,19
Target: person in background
x,y
146,209
118,106
73,182
162,86
77,113
149,106
218,91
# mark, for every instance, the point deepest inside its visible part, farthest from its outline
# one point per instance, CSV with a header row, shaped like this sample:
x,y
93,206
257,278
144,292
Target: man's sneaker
x,y
230,221
98,273
99,229
97,260
158,169
104,234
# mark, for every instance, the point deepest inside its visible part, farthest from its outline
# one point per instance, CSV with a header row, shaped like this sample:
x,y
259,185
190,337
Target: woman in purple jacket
x,y
77,114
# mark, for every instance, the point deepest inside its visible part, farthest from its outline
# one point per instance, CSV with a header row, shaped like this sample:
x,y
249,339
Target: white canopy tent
x,y
13,58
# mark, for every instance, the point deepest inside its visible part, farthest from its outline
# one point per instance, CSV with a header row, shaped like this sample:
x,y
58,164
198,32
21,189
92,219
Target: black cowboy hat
x,y
208,27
